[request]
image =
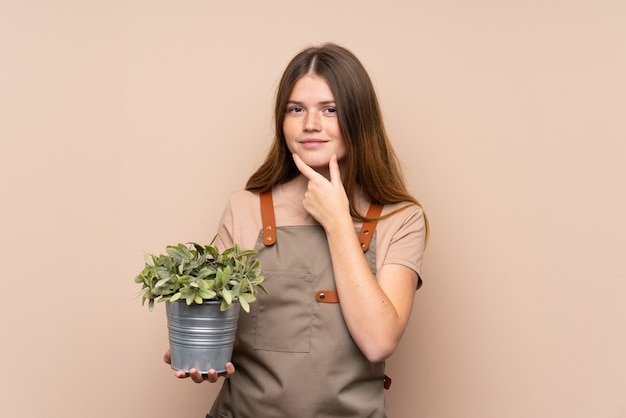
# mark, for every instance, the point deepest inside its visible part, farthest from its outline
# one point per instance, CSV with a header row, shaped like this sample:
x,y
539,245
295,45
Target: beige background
x,y
126,124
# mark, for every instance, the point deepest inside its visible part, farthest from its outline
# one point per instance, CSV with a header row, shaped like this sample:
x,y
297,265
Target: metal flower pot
x,y
201,336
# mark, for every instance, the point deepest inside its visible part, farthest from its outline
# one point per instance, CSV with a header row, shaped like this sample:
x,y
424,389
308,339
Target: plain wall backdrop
x,y
126,124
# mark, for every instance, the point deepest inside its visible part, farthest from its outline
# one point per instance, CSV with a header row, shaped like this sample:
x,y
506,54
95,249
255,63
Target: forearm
x,y
372,319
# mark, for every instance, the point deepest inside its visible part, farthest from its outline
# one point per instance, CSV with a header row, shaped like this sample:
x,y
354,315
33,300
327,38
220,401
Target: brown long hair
x,y
370,161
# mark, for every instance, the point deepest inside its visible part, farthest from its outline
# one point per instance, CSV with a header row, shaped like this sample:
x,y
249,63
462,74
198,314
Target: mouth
x,y
312,143
304,141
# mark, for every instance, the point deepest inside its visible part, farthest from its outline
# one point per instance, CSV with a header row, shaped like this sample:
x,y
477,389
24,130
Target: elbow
x,y
377,353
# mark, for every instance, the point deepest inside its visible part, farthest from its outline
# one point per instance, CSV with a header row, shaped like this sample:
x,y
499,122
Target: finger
x,y
230,370
335,173
181,374
196,376
212,376
167,357
307,171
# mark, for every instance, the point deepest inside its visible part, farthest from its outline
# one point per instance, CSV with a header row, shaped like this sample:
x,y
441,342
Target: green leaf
x,y
228,296
147,258
244,305
248,297
224,306
163,273
207,294
162,282
203,273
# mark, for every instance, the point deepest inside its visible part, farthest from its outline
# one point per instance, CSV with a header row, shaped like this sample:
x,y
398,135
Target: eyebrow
x,y
324,102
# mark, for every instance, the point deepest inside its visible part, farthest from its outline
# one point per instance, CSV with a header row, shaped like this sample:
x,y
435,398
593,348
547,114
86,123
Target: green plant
x,y
195,273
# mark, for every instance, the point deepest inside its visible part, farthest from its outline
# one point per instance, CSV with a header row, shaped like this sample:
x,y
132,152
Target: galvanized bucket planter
x,y
201,336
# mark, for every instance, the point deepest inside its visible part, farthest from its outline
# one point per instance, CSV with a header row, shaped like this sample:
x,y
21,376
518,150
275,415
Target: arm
x,y
376,309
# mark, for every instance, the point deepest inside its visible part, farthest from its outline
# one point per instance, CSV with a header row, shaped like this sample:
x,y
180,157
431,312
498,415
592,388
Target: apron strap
x,y
367,229
327,296
267,216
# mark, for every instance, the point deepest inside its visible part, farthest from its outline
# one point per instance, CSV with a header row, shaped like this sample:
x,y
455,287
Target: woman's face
x,y
311,126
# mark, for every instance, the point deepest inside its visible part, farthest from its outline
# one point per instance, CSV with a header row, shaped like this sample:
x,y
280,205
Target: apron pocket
x,y
284,320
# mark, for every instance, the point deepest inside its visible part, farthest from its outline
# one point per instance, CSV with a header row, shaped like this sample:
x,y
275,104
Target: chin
x,y
317,163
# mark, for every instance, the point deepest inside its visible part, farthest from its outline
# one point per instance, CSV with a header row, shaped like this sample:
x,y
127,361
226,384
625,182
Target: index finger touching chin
x,y
302,166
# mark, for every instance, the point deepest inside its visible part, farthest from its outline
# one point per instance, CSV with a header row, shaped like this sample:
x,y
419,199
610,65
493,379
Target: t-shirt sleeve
x,y
225,232
406,246
240,222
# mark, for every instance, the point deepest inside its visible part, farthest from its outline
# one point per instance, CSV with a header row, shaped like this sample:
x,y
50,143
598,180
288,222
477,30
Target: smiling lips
x,y
312,143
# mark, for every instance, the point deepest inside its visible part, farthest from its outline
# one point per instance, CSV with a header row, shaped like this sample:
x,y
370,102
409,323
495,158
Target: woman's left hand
x,y
325,199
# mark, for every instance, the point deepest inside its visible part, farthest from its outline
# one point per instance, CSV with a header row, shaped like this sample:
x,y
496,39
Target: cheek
x,y
336,133
336,129
289,136
342,151
288,131
290,146
341,148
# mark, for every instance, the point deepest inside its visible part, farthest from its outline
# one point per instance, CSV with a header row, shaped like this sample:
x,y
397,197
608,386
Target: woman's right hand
x,y
212,376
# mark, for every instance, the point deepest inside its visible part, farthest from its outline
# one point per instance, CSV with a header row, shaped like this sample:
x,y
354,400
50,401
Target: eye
x,y
295,109
330,110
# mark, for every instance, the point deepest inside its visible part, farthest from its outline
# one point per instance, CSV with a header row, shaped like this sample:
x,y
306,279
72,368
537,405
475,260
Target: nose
x,y
312,122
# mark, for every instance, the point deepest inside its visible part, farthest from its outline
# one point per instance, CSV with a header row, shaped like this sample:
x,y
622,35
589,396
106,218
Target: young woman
x,y
340,240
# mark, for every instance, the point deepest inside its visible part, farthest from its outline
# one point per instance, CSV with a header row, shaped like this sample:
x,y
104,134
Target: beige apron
x,y
294,356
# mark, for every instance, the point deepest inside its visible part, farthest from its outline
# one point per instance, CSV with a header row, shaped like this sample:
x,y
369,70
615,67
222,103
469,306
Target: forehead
x,y
311,87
